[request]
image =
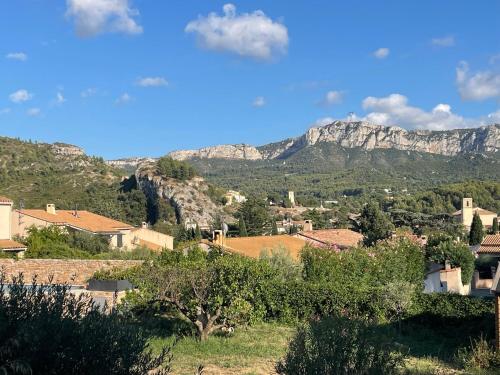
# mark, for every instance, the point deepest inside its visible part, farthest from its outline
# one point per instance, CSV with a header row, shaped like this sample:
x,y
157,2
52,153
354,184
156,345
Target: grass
x,y
251,350
255,350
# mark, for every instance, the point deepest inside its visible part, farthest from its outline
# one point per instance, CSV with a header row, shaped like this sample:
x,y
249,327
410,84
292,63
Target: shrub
x,y
339,346
457,254
480,355
47,330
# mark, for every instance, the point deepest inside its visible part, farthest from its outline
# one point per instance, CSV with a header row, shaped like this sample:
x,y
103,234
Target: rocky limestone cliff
x,y
65,149
130,163
364,135
189,197
240,151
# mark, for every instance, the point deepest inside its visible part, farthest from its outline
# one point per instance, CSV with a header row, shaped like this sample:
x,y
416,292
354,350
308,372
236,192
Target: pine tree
x,y
274,230
197,233
242,227
476,231
374,224
494,226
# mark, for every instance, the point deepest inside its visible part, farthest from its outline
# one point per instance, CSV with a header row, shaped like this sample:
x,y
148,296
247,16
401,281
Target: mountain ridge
x,y
484,139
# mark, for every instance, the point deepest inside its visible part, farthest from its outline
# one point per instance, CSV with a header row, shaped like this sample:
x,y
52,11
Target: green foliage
x,y
48,330
494,226
319,219
476,230
179,170
339,346
374,224
274,228
255,214
480,355
242,228
282,262
93,244
441,248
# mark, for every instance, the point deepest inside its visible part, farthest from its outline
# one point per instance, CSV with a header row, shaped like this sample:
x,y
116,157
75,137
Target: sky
x,y
125,78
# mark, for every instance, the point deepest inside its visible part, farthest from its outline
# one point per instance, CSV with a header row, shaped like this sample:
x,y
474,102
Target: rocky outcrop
x,y
130,163
240,151
364,135
189,197
65,149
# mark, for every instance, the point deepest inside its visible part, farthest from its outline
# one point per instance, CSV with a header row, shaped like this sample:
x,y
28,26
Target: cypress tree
x,y
242,227
476,231
197,233
494,226
274,230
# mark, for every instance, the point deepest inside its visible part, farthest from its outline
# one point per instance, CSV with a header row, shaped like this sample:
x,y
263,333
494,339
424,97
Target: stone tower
x,y
467,212
291,197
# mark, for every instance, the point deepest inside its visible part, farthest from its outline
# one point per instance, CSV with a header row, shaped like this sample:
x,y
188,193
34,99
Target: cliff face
x,y
363,135
189,198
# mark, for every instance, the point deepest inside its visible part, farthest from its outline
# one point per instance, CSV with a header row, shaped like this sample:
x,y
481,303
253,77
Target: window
x,y
119,240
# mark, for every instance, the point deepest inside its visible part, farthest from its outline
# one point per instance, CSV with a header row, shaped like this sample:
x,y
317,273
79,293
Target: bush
x,y
480,355
339,346
47,330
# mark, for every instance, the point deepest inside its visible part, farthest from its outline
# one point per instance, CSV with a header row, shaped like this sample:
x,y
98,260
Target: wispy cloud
x,y
20,56
123,98
381,53
91,91
4,111
252,35
33,112
20,96
445,41
259,101
332,97
152,82
93,17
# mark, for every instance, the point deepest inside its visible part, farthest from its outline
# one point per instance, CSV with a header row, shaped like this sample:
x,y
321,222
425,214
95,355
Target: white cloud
x,y
60,99
4,111
20,96
152,82
381,53
21,56
494,118
32,112
322,122
94,17
478,86
332,97
91,91
123,99
247,34
394,110
446,41
259,101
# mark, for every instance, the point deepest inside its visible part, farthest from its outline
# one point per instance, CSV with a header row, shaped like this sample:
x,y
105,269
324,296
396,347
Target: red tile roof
x,y
337,237
5,199
253,246
83,220
490,244
11,245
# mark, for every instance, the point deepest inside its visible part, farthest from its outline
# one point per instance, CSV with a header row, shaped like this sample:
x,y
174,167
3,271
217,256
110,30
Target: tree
x,y
374,224
48,330
397,298
442,249
494,226
274,230
256,216
476,231
242,228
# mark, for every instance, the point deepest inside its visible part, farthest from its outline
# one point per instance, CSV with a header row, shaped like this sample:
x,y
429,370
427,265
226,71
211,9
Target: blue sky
x,y
144,77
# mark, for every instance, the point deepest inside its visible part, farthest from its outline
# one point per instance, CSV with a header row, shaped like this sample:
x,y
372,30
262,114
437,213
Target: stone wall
x,y
71,271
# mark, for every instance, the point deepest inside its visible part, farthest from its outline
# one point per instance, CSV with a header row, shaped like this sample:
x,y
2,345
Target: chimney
x,y
51,208
144,225
447,265
308,226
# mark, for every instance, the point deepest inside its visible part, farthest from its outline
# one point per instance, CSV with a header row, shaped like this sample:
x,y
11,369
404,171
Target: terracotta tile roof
x,y
11,245
253,246
490,244
5,199
338,237
84,220
479,210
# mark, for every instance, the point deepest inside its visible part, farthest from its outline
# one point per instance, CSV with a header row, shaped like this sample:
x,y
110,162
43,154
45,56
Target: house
x,y
233,197
465,215
121,235
339,238
490,245
7,244
253,246
445,280
285,225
